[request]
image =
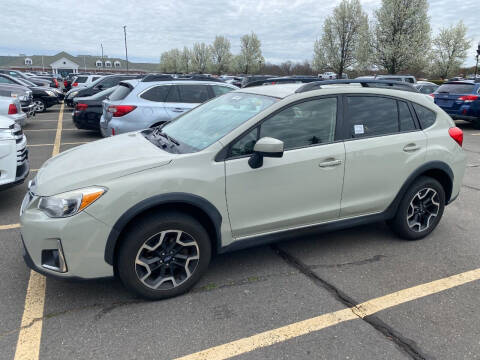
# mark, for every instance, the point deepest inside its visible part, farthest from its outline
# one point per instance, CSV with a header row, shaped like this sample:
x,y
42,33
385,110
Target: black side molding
x,y
170,198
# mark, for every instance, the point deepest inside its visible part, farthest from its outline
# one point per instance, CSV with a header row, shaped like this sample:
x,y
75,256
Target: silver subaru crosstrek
x,y
137,105
246,168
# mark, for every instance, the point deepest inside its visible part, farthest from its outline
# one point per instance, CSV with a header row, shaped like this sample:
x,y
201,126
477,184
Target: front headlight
x,y
50,93
6,134
70,203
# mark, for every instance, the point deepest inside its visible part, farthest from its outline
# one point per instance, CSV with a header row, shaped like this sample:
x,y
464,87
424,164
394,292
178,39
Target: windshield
x,y
211,121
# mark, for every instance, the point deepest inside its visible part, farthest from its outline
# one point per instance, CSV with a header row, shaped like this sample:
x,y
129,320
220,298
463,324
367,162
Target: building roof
x,y
83,61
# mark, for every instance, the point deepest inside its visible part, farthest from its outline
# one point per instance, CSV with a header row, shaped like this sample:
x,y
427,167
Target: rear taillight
x,y
55,81
75,84
113,132
456,134
432,95
120,110
468,98
65,83
81,107
12,109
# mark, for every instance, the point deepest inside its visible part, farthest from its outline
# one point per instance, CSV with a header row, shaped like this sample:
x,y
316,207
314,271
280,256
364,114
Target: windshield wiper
x,y
166,136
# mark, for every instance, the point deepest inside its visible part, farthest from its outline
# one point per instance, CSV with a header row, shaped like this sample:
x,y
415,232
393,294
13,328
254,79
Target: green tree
x,y
185,60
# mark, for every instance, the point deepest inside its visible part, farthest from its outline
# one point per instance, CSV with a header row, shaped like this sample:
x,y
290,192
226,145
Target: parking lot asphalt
x,y
247,293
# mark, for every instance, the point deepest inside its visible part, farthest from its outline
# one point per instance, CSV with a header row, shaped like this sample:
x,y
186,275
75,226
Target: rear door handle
x,y
411,147
330,163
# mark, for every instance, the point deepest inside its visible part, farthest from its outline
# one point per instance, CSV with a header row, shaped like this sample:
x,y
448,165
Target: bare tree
x,y
200,57
339,45
221,55
449,50
251,58
401,35
185,60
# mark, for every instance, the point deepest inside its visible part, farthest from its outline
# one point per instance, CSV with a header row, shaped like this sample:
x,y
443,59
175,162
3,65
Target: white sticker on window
x,y
358,129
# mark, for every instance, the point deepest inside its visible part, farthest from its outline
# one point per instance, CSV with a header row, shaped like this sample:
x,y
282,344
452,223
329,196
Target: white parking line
x,y
284,333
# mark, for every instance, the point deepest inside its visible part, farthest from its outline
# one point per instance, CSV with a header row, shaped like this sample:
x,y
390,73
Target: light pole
x,y
101,45
125,36
476,65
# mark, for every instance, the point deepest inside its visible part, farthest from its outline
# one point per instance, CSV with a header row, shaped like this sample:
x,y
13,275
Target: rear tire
x,y
420,210
163,255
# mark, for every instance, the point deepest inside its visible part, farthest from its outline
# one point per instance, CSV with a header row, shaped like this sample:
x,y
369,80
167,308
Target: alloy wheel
x,y
423,209
167,259
39,106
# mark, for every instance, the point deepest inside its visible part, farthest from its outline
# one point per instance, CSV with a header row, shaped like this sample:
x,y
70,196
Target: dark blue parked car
x,y
461,100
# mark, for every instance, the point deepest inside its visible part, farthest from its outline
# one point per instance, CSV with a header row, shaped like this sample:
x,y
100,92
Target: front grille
x,y
22,155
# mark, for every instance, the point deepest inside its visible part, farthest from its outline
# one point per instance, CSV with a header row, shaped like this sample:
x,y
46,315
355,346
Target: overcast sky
x,y
286,28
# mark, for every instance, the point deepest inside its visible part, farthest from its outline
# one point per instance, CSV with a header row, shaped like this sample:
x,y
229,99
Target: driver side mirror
x,y
265,147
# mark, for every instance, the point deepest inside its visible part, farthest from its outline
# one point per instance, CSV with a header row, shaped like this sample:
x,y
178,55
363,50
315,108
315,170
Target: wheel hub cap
x,y
423,209
167,259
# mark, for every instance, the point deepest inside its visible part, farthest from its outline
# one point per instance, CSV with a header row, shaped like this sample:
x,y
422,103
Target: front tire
x,y
163,255
420,210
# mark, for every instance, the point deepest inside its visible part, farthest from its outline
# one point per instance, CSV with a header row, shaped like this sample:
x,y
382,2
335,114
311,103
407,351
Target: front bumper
x,y
50,100
82,239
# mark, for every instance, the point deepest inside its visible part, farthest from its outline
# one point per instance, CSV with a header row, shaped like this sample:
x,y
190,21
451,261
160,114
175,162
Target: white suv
x,y
243,169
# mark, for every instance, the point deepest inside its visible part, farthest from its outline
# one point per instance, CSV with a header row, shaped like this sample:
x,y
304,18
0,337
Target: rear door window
x,y
95,78
81,79
460,88
194,94
425,116
120,92
157,93
372,116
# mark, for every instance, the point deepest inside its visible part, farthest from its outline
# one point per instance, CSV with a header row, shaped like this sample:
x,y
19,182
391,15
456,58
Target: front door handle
x,y
178,110
411,147
330,163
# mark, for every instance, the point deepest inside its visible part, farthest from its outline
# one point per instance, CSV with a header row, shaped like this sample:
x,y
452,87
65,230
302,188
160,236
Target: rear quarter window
x,y
426,117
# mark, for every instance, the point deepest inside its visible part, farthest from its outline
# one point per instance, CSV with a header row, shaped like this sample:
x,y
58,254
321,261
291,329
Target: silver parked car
x,y
426,87
137,105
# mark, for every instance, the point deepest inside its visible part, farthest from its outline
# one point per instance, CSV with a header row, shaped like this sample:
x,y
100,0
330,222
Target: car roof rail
x,y
157,77
396,85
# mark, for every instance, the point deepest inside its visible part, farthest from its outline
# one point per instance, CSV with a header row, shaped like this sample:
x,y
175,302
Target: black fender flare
x,y
163,199
431,165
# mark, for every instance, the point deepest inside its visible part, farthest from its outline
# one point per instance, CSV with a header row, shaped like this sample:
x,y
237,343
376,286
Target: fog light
x,y
53,259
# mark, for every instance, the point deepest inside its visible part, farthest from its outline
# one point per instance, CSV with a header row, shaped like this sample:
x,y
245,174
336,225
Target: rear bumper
x,y
22,173
20,118
82,121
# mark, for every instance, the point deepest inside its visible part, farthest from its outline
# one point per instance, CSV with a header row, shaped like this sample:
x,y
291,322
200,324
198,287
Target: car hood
x,y
97,162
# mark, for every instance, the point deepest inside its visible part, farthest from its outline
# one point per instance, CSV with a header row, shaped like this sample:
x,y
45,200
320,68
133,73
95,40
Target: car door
x,y
385,146
299,189
153,108
184,97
